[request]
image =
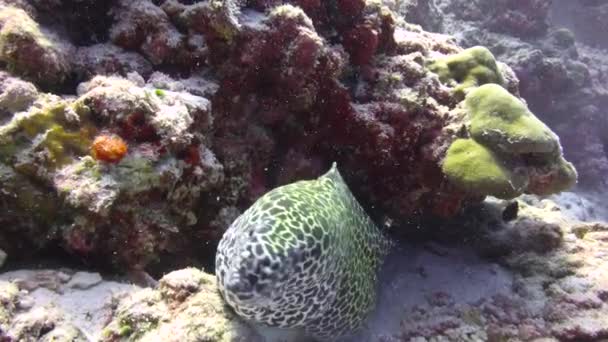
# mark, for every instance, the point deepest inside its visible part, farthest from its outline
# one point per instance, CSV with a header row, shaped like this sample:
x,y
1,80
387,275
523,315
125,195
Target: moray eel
x,y
305,256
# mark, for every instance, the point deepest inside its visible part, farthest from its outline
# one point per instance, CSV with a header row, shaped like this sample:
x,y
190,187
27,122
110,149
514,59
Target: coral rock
x,y
186,307
30,51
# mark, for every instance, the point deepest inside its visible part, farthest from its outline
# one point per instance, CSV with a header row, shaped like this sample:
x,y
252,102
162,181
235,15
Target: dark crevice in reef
x,y
90,21
85,22
67,87
50,257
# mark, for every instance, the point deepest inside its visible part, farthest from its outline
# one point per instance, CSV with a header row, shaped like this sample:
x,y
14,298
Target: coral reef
x,y
184,113
561,77
97,207
421,12
186,307
586,20
133,133
525,18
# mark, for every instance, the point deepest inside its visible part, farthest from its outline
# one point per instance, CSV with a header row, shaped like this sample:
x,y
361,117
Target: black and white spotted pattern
x,y
304,256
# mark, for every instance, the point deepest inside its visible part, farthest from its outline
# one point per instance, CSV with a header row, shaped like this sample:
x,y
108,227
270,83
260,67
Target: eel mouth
x,y
247,287
237,284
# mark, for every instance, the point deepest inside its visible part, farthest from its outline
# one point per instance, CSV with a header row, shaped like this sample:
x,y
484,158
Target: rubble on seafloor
x,y
546,280
134,133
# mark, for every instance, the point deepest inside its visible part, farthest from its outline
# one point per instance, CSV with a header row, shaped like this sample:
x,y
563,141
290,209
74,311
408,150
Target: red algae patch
x,y
109,148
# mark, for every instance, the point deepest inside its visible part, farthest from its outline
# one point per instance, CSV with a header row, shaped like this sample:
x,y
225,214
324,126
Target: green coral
x,y
507,150
501,120
479,171
470,68
125,330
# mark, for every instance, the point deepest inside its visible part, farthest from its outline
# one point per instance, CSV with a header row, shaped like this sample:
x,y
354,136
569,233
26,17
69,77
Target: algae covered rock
x,y
15,94
9,294
470,68
186,306
19,321
102,159
30,51
57,134
259,94
554,288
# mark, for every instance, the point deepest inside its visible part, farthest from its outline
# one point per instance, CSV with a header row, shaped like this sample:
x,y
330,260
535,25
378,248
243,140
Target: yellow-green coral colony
x,y
468,69
479,171
499,119
507,144
303,257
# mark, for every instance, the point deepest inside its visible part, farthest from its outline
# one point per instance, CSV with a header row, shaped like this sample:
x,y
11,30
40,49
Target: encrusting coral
x,y
479,171
470,68
508,144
